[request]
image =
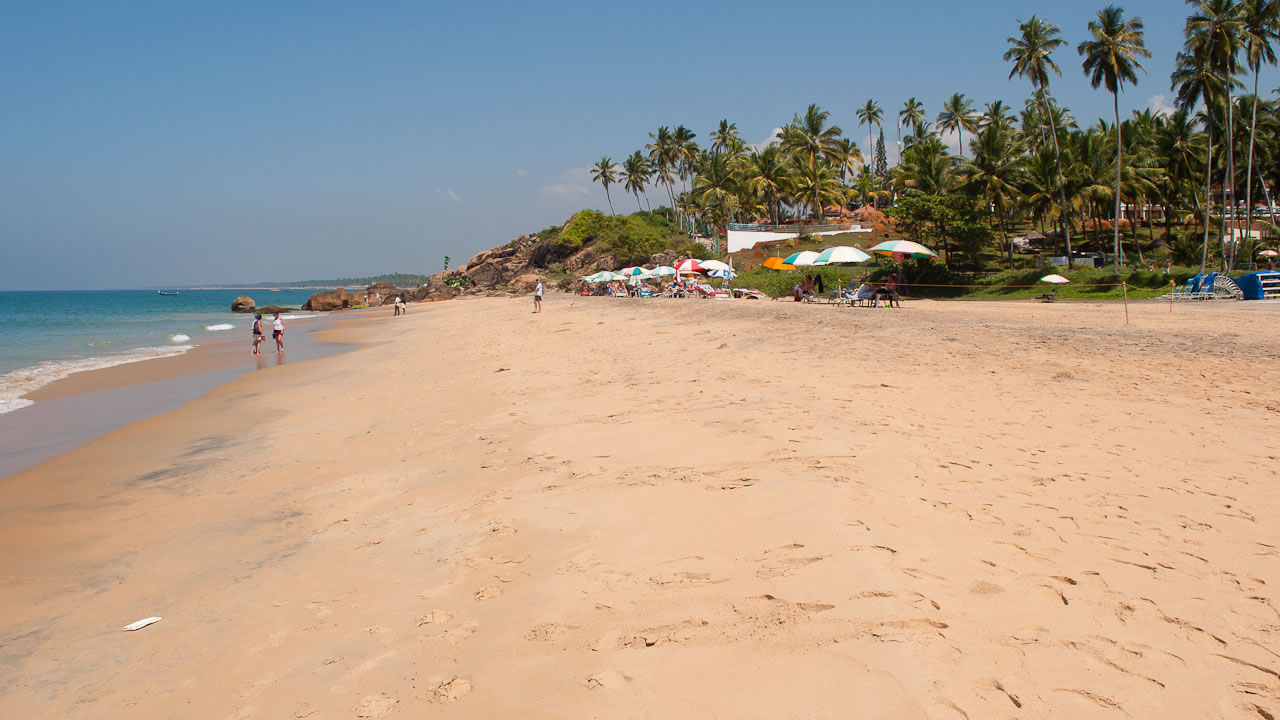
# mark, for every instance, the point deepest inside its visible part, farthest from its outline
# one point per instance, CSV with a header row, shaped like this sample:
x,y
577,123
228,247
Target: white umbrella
x,y
713,265
1055,279
841,254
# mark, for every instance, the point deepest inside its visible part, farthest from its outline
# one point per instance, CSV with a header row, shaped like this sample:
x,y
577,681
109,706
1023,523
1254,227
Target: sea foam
x,y
16,383
220,326
179,338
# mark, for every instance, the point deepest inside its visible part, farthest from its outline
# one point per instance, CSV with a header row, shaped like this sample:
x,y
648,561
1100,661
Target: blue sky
x,y
149,144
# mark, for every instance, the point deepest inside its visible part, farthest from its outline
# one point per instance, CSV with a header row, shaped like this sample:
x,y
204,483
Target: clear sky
x,y
155,144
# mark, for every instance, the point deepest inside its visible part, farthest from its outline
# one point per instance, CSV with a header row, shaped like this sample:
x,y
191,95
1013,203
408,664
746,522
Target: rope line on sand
x,y
997,287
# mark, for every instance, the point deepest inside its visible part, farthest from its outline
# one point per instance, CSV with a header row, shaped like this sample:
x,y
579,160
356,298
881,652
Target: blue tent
x,y
1257,285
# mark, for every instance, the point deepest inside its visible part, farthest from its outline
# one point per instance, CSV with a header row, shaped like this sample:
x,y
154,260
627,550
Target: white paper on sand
x,y
141,624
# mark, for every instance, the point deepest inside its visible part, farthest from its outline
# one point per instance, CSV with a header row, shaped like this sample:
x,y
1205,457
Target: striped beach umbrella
x,y
840,255
802,259
902,249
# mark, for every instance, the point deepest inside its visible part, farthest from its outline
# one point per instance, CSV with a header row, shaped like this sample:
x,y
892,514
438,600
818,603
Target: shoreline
x,y
90,403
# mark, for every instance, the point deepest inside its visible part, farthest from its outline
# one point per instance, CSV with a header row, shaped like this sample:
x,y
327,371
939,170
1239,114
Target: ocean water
x,y
48,335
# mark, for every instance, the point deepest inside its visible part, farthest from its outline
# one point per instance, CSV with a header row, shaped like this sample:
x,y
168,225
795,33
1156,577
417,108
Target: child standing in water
x,y
277,332
257,334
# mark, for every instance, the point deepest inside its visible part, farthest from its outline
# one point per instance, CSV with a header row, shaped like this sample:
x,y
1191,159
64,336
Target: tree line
x,y
1032,164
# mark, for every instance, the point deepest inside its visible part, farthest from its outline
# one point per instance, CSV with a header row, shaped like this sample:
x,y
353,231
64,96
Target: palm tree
x,y
768,175
605,172
722,139
870,115
996,172
662,159
715,188
957,116
996,113
1030,54
635,175
1215,28
1111,58
1194,80
926,167
1260,25
809,138
912,115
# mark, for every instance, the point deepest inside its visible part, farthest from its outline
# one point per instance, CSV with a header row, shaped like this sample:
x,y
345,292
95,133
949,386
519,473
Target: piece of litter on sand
x,y
141,624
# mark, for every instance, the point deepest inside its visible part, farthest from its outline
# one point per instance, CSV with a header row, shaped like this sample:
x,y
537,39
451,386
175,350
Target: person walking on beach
x,y
277,332
396,312
257,334
537,297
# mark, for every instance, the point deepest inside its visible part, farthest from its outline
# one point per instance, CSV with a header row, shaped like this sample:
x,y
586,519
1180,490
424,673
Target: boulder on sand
x,y
243,304
328,300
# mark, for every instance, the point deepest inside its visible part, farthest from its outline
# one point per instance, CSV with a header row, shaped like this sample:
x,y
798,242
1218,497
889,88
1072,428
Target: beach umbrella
x,y
664,270
902,249
840,255
1268,253
802,258
690,266
713,265
1055,279
777,263
629,271
725,274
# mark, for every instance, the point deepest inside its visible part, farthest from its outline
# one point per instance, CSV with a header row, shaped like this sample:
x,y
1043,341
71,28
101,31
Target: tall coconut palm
x,y
1260,27
1111,57
810,139
1215,27
715,188
1031,54
996,113
912,115
722,138
635,176
605,172
870,115
662,159
1178,146
1194,81
995,173
957,116
768,174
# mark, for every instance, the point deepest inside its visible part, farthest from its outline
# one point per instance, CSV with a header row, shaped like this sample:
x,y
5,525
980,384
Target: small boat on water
x,y
175,292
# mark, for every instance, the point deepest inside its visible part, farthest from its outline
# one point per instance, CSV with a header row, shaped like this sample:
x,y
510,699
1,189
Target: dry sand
x,y
667,509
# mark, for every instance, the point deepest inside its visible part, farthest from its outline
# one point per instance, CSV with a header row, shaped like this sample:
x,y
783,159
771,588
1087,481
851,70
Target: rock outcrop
x,y
243,304
328,300
272,309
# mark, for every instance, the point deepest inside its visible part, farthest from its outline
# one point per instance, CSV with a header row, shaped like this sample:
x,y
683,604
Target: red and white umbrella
x,y
689,266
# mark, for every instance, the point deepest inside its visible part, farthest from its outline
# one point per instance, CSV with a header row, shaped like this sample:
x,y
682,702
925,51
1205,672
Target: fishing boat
x,y
175,292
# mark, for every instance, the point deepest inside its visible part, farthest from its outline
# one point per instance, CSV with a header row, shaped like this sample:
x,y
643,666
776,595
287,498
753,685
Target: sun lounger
x,y
706,291
1048,297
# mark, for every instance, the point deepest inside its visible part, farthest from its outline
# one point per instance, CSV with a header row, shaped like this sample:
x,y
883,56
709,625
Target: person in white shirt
x,y
537,297
277,332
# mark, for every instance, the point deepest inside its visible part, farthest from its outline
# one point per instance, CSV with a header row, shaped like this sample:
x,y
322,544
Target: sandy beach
x,y
661,508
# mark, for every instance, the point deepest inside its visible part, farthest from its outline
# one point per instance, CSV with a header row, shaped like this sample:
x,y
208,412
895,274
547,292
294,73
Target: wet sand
x,y
625,508
85,405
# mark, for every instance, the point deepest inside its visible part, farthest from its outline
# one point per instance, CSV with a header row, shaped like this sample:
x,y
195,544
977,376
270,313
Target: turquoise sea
x,y
47,335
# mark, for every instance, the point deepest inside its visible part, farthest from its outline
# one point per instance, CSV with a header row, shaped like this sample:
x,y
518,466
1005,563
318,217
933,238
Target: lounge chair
x,y
1048,297
706,291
